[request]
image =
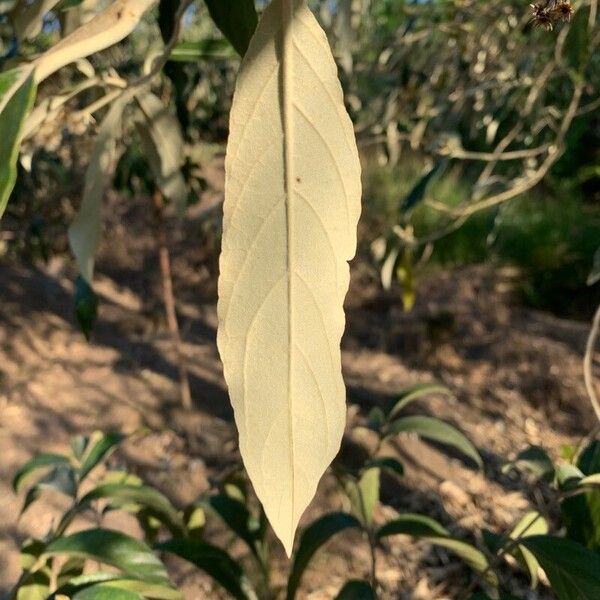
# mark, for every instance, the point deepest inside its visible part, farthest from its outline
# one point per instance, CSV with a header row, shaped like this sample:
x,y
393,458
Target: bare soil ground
x,y
516,375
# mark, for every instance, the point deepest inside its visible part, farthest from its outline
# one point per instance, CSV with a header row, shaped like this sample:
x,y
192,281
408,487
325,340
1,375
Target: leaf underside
x,y
292,202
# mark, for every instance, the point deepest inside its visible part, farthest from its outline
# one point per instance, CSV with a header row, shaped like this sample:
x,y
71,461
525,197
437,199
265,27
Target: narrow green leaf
x,y
213,561
387,463
573,571
61,479
436,431
364,494
415,392
37,586
428,529
41,461
236,19
86,306
104,592
236,516
531,524
312,538
356,590
417,194
568,477
144,496
100,446
413,525
113,548
17,94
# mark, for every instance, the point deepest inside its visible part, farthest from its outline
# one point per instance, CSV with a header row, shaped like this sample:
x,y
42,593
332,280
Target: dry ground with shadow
x,y
516,374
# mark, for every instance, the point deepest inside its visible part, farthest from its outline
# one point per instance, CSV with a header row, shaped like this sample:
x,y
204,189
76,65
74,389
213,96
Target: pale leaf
x,y
292,202
105,29
163,147
84,233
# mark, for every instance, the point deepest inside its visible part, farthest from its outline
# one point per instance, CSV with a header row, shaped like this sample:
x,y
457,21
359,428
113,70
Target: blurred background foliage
x,y
479,133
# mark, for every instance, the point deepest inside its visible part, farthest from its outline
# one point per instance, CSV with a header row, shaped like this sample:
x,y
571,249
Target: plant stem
x,y
373,548
169,299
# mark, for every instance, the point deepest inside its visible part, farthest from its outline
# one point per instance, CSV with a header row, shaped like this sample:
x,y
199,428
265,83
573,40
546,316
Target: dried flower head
x,y
563,9
542,16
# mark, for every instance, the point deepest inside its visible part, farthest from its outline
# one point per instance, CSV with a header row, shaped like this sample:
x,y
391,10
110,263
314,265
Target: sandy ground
x,y
516,375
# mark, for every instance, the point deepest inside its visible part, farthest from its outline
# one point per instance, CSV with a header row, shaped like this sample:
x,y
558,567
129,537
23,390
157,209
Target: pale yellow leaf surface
x,y
292,203
84,232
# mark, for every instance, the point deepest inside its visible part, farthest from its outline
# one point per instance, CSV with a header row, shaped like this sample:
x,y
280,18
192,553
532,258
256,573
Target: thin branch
x,y
489,156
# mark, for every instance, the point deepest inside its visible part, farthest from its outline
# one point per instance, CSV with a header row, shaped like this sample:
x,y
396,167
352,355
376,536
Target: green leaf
x,y
436,431
581,514
493,541
31,550
100,446
86,306
417,194
423,527
17,94
387,463
36,587
78,446
104,592
236,19
573,571
213,561
356,590
376,419
41,461
364,494
60,479
144,496
113,548
531,524
236,516
568,477
535,460
414,525
312,538
415,392
589,461
151,591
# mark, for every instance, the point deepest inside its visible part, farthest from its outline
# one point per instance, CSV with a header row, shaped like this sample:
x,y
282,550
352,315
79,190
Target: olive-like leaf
x,y
113,548
436,431
213,561
356,590
573,570
99,447
17,94
313,537
415,392
237,20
